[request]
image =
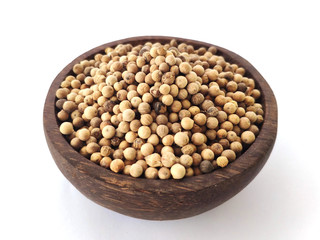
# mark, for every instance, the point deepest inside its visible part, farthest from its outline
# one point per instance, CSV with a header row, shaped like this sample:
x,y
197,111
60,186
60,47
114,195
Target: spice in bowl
x,y
159,110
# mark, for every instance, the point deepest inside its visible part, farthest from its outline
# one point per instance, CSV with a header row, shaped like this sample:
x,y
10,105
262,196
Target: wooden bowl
x,y
161,199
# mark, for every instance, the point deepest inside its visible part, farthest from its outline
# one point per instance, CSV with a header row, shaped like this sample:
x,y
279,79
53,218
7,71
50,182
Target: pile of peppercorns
x,y
159,111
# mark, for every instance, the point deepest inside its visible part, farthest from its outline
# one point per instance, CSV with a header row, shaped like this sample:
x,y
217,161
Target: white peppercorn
x,y
178,171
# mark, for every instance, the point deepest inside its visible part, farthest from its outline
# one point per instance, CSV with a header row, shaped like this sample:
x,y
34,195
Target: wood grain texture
x,y
161,199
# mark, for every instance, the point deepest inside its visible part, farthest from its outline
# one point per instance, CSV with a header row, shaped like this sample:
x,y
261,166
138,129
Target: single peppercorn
x,y
200,119
90,112
147,149
117,165
248,137
129,153
206,166
244,123
181,139
105,162
236,147
177,171
136,170
153,160
76,143
164,173
207,154
185,68
167,140
108,132
186,160
187,123
151,173
222,161
168,159
66,128
83,134
144,132
162,130
128,115
198,139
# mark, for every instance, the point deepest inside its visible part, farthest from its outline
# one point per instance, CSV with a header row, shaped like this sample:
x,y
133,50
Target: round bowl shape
x,y
161,199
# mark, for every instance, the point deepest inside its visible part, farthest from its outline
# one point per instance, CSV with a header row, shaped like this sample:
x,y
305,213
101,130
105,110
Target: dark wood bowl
x,y
161,199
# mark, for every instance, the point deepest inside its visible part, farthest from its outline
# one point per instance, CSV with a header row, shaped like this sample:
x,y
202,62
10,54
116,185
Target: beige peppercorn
x,y
254,129
130,136
185,67
105,162
230,108
187,123
144,132
128,115
167,99
105,150
186,160
234,119
69,106
146,119
136,170
178,171
129,153
63,115
135,102
117,165
90,112
62,93
164,89
123,127
135,125
167,140
96,157
193,88
162,130
252,116
248,137
181,139
165,149
153,160
236,147
207,154
244,123
147,149
222,161
168,159
170,60
200,119
122,106
108,132
164,173
198,138
192,77
181,81
83,134
151,173
66,128
144,108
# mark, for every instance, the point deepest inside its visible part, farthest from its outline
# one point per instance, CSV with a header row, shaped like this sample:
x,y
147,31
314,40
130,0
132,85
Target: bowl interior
x,y
253,156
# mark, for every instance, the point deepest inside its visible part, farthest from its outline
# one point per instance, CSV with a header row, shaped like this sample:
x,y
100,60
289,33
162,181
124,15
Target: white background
x,y
280,38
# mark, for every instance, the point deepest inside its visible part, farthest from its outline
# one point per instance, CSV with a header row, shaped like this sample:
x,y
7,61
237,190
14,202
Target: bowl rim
x,y
249,159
